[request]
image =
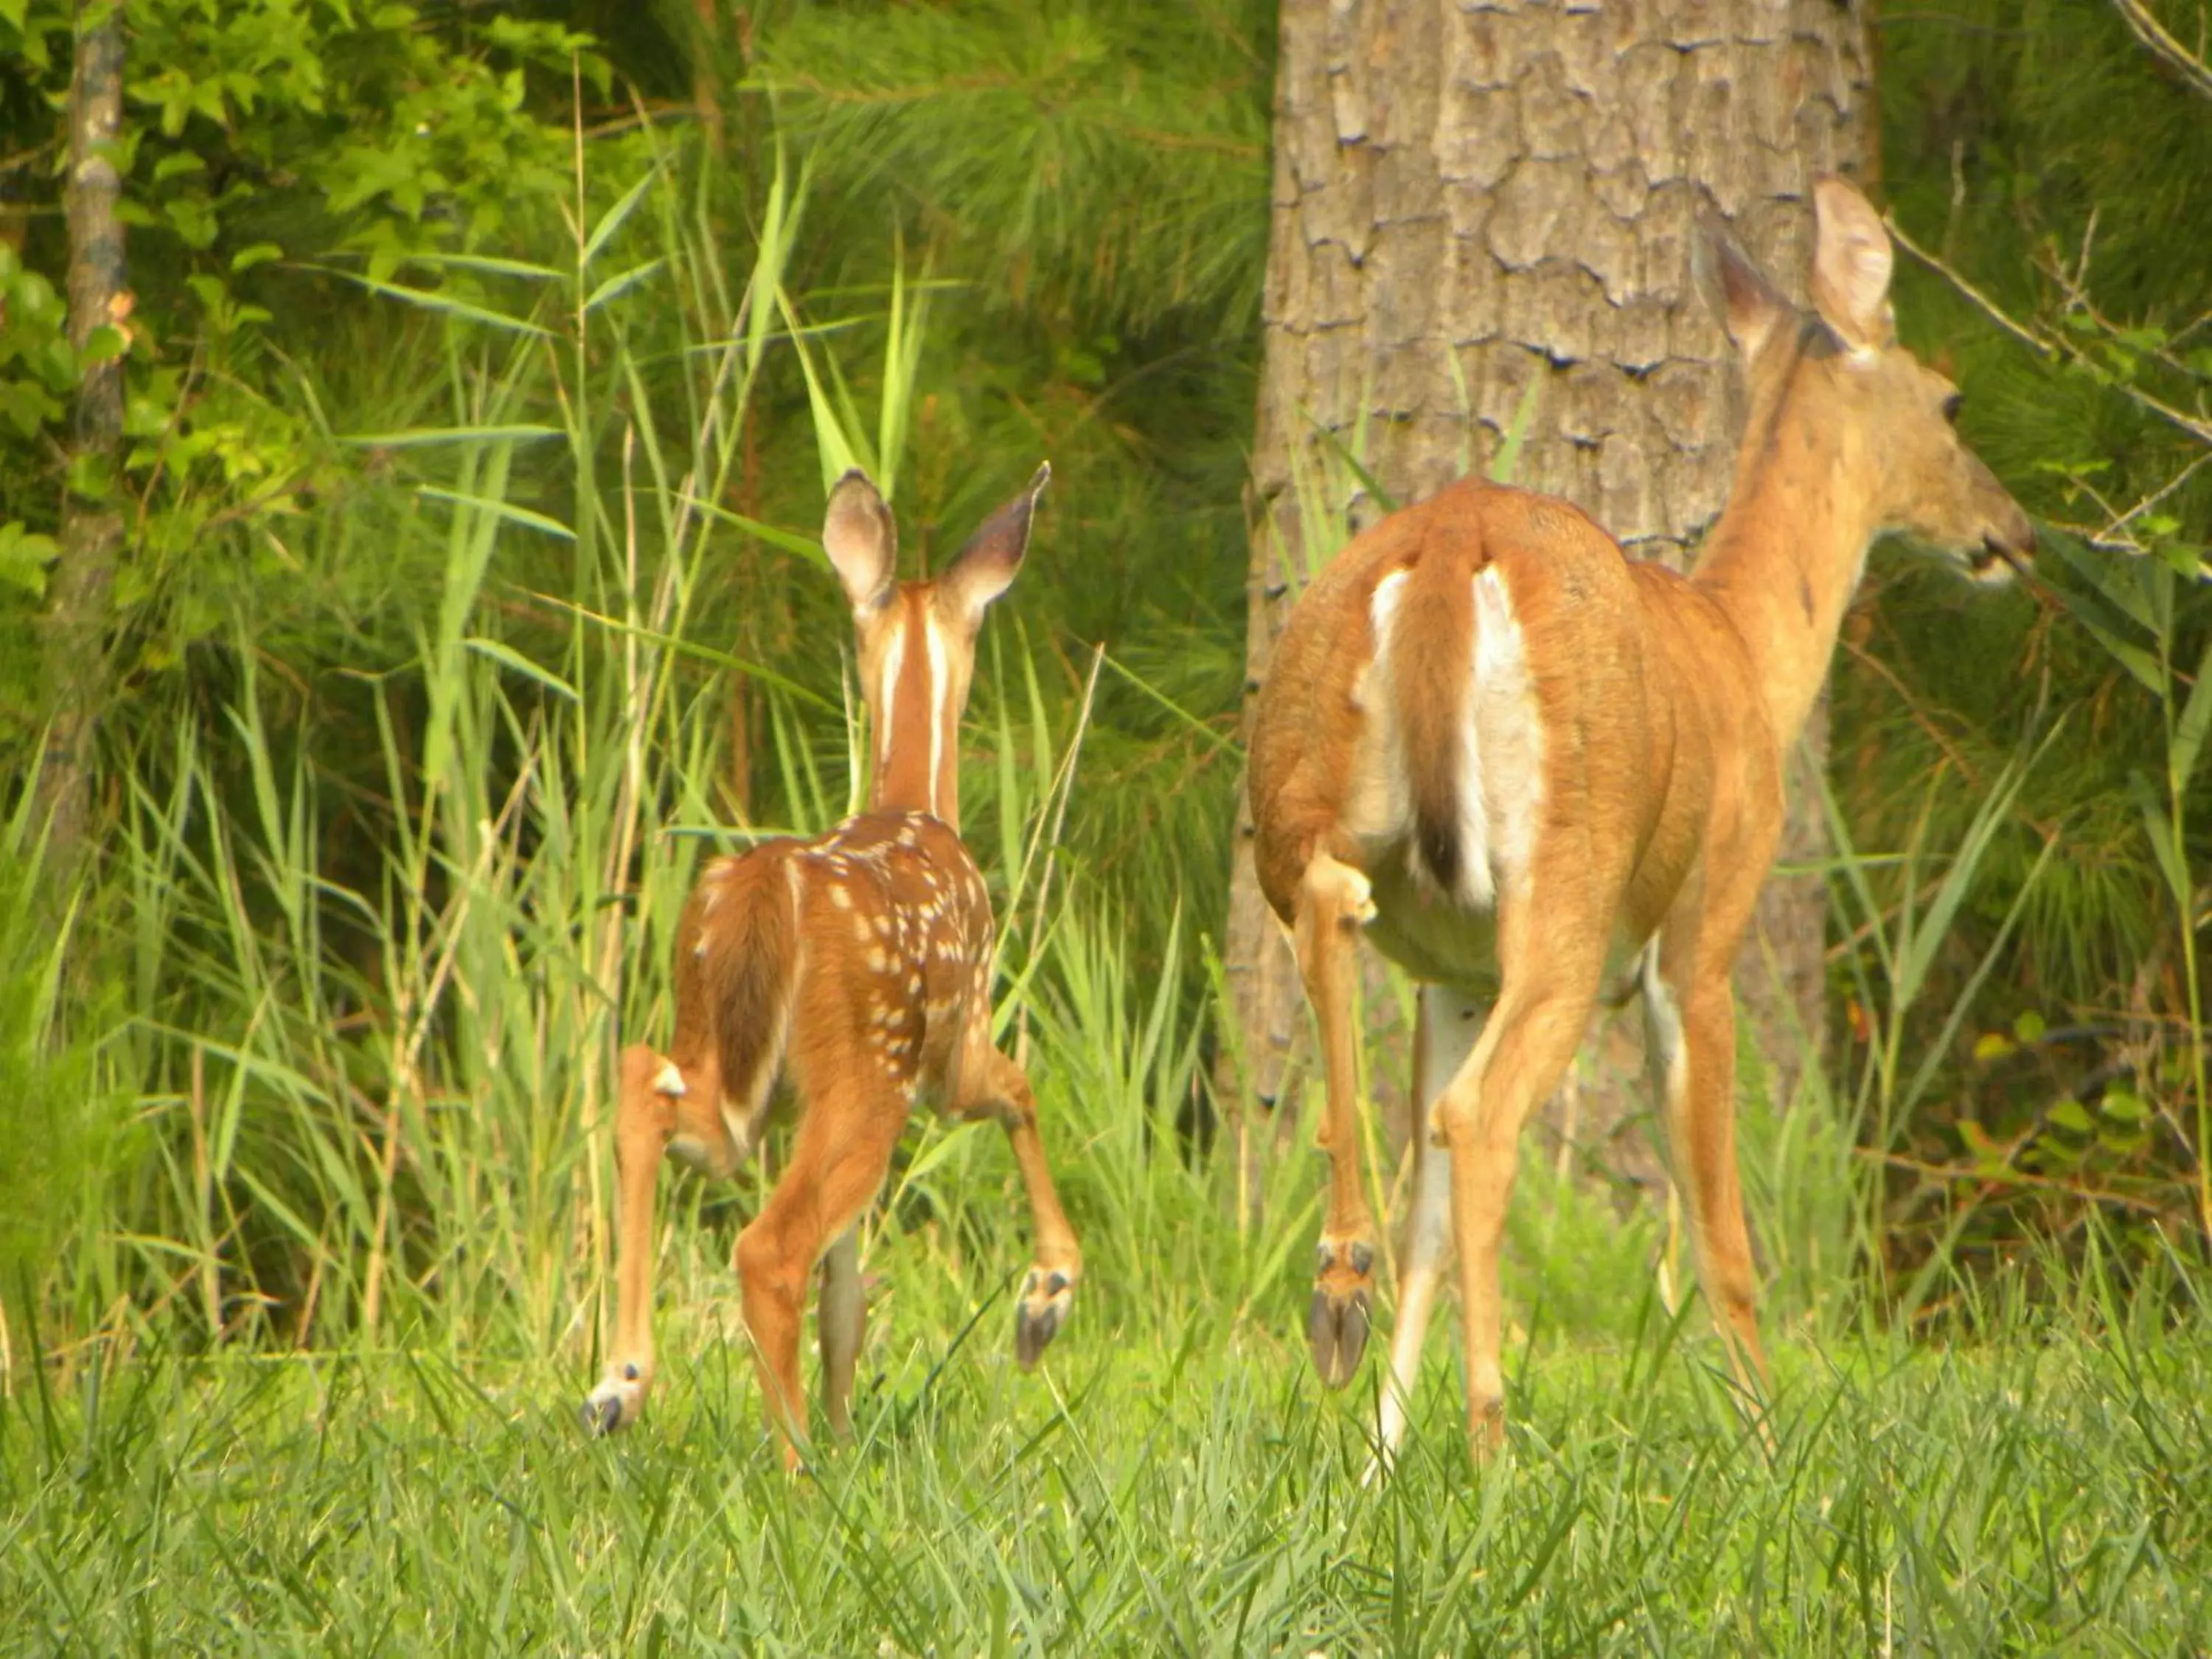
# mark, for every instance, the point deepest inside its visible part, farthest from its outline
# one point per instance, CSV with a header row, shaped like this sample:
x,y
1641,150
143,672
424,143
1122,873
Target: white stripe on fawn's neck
x,y
939,684
887,700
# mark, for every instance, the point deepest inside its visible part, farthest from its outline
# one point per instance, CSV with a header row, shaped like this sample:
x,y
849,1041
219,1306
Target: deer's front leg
x,y
1691,1036
1333,903
1550,981
1444,1034
992,1084
645,1118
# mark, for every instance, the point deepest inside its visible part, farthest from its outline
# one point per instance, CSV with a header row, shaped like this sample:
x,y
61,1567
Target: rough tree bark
x,y
1473,195
74,627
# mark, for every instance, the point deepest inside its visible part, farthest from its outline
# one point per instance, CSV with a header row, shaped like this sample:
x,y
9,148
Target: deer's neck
x,y
1785,556
915,706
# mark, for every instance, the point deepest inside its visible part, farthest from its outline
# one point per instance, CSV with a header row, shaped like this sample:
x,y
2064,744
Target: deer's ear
x,y
986,567
861,541
1742,301
1851,261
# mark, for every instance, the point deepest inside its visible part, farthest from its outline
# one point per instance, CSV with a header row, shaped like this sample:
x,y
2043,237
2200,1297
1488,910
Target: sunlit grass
x,y
1167,1483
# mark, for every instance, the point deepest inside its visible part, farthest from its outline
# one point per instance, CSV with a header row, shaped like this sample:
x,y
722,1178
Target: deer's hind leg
x,y
1445,1030
1549,970
990,1085
838,1160
1333,903
841,1318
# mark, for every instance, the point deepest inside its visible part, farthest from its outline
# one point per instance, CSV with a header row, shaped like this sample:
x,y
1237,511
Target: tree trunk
x,y
1473,199
74,626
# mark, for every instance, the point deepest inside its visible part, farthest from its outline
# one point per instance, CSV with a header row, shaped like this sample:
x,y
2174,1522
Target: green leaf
x,y
103,345
2108,574
487,263
507,656
441,302
508,510
615,287
2159,828
613,219
91,475
1507,461
2123,1105
24,558
415,437
2189,731
2071,1115
2029,1027
259,254
830,436
1993,1045
789,541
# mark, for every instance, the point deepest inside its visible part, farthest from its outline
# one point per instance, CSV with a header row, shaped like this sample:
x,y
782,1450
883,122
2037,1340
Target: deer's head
x,y
1895,415
917,639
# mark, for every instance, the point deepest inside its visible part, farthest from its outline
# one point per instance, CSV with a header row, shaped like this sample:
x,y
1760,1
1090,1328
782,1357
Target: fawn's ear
x,y
1851,262
1736,290
986,567
861,541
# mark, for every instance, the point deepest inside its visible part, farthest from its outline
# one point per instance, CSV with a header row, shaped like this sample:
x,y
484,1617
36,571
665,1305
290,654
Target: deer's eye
x,y
1951,408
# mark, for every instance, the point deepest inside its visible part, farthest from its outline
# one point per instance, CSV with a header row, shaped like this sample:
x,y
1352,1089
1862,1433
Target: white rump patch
x,y
1505,787
670,1082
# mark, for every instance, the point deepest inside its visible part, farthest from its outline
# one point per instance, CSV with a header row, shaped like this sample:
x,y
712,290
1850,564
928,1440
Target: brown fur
x,y
736,957
1629,726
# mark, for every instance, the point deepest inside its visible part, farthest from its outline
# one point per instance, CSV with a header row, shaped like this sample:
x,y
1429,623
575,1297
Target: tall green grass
x,y
1172,1481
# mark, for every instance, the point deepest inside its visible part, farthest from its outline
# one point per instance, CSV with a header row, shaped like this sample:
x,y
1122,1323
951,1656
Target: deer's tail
x,y
1429,635
737,971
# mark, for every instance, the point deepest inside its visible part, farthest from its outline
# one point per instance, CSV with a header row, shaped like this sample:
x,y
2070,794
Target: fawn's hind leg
x,y
841,1318
838,1160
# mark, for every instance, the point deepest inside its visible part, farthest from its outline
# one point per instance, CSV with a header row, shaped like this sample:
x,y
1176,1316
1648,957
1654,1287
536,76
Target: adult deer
x,y
856,965
1538,773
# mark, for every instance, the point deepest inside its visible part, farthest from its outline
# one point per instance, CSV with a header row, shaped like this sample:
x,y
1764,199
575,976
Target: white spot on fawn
x,y
670,1082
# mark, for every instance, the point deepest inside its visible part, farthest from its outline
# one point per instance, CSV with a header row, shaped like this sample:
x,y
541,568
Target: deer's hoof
x,y
615,1403
1337,1322
1047,1298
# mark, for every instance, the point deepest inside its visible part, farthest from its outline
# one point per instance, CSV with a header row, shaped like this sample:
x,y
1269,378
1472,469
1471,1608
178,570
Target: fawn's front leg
x,y
993,1085
658,1103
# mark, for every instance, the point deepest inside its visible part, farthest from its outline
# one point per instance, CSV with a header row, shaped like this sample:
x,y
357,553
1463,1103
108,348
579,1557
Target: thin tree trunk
x,y
1475,197
75,625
